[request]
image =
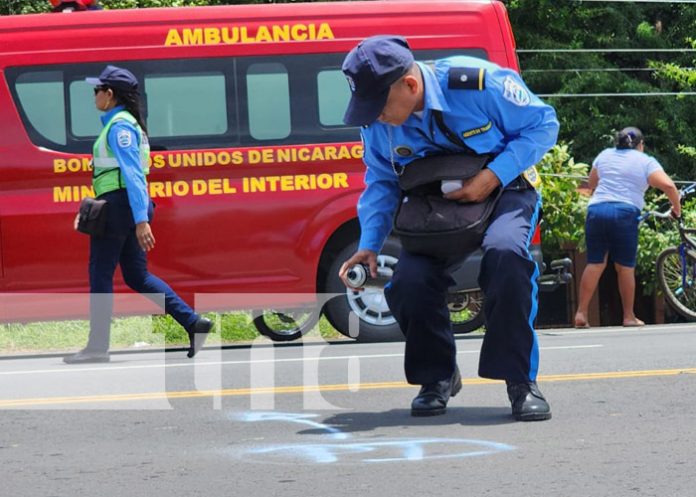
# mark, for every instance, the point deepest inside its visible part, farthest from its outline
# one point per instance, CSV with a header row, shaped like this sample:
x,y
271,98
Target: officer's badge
x,y
532,176
515,92
403,151
124,138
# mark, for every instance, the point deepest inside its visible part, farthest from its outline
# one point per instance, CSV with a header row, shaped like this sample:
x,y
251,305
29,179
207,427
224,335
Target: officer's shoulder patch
x,y
515,92
124,138
466,78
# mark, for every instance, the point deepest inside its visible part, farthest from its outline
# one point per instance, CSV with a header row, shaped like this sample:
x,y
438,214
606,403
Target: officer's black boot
x,y
198,333
528,403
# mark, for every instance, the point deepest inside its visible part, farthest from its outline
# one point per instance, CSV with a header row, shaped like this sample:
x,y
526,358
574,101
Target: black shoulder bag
x,y
429,224
92,220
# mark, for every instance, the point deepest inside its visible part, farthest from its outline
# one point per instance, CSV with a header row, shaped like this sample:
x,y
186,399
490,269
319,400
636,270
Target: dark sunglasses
x,y
97,89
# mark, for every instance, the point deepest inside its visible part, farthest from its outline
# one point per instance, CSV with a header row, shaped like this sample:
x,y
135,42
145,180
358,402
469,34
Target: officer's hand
x,y
76,222
146,239
360,257
476,189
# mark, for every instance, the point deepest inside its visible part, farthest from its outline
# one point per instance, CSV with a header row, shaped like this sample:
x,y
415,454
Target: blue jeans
x,y
612,228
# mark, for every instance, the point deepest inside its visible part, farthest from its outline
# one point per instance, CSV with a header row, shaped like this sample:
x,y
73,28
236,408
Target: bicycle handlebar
x,y
662,215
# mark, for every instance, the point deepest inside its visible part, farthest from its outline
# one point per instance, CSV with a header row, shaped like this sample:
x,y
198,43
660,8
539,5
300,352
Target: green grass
x,y
133,332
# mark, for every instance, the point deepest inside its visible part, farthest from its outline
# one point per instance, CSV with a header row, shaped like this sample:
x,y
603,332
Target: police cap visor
x,y
371,68
115,77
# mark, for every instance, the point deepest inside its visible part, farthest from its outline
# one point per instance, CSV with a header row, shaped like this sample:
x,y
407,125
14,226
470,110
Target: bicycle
x,y
676,266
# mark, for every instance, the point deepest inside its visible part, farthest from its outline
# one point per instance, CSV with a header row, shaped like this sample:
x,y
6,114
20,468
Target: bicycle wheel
x,y
285,325
466,310
679,290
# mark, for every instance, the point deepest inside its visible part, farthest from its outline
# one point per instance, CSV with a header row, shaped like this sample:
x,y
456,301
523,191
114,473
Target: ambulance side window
x,y
268,101
333,95
84,116
41,99
186,104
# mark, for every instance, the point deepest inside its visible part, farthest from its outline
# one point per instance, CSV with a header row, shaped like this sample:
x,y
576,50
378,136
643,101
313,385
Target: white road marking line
x,y
72,369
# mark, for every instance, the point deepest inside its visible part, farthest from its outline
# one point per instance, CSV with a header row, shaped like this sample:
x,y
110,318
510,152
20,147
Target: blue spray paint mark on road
x,y
384,450
287,417
394,450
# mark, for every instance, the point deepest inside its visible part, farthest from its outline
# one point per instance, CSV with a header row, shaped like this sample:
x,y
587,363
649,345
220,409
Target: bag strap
x,y
440,121
449,134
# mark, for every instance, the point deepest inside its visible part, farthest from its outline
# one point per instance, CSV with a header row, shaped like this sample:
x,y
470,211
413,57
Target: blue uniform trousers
x,y
418,290
120,246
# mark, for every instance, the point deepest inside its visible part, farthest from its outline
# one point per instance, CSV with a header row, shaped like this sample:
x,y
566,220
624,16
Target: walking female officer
x,y
121,157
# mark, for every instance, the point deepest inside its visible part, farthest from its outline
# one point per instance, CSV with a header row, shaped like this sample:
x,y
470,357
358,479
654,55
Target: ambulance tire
x,y
366,310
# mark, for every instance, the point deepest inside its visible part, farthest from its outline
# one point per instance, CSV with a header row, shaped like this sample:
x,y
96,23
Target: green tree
x,y
669,122
564,207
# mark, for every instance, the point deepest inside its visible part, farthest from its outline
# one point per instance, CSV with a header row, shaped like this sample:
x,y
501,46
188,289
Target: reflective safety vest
x,y
107,173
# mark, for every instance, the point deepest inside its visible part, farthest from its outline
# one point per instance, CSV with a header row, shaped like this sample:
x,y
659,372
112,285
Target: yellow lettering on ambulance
x,y
299,32
156,189
325,32
212,36
230,39
303,154
227,188
193,36
267,156
274,33
281,33
245,35
237,157
158,161
199,187
302,182
173,38
215,186
263,35
254,156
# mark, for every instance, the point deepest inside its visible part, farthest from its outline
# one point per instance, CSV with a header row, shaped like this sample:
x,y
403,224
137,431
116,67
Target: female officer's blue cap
x,y
115,77
371,68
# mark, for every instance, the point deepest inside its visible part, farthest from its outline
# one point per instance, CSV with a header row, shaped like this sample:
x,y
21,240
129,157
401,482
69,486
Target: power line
x,y
607,50
629,94
638,1
581,177
603,69
599,69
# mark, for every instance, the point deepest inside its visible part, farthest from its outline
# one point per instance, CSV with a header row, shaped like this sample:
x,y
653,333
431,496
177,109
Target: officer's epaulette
x,y
466,78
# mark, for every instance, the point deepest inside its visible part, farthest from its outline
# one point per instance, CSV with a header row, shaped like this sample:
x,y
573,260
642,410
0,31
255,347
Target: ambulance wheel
x,y
363,315
285,325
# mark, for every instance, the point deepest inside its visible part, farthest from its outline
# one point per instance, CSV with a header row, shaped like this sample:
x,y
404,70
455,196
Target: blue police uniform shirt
x,y
127,153
502,118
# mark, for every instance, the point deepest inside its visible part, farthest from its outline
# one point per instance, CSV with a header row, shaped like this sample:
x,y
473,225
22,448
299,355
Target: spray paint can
x,y
359,276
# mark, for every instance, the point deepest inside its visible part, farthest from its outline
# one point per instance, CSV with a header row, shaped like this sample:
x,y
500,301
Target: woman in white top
x,y
619,178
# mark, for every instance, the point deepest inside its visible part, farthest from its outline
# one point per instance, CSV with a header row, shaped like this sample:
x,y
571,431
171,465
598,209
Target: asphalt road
x,y
333,420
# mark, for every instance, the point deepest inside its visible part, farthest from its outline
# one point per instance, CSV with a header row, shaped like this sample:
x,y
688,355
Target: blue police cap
x,y
115,77
371,68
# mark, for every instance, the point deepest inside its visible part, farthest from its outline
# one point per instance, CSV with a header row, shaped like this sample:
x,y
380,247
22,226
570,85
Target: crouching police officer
x,y
121,158
395,100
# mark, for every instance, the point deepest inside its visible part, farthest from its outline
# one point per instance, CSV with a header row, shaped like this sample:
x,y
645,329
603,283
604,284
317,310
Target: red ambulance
x,y
255,177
